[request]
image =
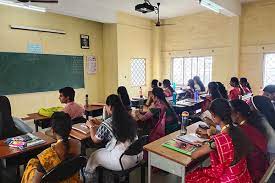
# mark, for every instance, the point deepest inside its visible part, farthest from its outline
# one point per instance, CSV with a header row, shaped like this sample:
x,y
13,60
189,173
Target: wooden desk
x,y
79,136
17,156
38,120
167,159
94,110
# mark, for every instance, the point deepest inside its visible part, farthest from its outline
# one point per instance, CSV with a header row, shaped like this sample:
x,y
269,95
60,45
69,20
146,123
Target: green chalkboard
x,y
28,73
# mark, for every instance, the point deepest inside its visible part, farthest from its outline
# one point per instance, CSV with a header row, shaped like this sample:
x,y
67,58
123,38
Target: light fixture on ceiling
x,y
21,5
211,5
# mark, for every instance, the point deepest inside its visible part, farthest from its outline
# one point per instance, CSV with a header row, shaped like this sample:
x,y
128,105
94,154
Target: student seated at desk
x,y
235,92
156,112
124,96
9,126
118,131
66,96
198,84
214,93
58,152
227,150
154,84
189,93
263,105
168,90
222,90
257,160
245,86
269,91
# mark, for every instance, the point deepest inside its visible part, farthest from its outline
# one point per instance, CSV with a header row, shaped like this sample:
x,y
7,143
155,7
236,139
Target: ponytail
x,y
124,126
62,125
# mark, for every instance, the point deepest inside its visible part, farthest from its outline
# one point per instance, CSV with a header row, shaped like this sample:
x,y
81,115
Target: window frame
x,y
264,67
191,57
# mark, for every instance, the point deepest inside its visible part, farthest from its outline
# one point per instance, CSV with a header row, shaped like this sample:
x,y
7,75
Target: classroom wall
x,y
202,34
134,40
110,57
257,38
69,44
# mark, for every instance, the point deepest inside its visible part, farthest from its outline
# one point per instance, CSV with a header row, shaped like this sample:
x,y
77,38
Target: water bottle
x,y
86,100
196,96
141,99
140,92
184,122
174,98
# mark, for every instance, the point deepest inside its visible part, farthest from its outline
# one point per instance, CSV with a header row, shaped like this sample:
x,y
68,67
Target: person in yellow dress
x,y
48,159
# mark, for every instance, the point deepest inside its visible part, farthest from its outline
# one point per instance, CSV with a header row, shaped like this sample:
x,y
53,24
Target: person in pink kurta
x,y
66,96
235,92
227,154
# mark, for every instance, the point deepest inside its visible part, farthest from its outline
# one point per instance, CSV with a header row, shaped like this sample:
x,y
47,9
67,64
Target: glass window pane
x,y
138,72
187,70
269,73
178,71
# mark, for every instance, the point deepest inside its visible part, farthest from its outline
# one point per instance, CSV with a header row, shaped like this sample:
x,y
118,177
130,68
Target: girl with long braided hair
x,y
62,150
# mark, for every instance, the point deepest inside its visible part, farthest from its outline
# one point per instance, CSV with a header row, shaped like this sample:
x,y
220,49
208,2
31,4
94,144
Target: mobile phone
x,y
204,127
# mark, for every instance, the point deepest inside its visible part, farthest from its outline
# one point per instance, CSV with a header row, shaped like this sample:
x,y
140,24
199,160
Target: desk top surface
x,y
7,152
78,135
36,116
157,148
94,107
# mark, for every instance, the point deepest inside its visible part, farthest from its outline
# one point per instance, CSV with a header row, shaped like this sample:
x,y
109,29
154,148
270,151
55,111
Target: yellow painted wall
x,y
202,34
17,40
110,57
134,40
257,38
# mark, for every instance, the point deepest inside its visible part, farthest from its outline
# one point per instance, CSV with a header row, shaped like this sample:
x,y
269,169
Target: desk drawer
x,y
166,164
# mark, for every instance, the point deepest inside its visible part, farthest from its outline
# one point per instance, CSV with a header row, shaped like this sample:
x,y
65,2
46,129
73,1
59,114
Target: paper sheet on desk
x,y
191,138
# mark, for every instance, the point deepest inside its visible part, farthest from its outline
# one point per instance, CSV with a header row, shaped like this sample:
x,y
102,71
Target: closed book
x,y
179,146
191,138
81,127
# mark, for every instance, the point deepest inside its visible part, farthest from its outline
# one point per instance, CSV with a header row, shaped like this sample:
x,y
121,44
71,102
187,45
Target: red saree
x,y
221,170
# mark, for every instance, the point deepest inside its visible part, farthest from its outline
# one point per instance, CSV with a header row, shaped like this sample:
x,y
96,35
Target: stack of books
x,y
24,141
179,146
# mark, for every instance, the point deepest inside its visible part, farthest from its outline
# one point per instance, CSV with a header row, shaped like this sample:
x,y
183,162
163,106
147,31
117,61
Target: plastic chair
x,y
134,149
269,173
65,170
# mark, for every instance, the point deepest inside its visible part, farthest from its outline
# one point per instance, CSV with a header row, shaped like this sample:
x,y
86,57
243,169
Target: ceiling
x,y
105,10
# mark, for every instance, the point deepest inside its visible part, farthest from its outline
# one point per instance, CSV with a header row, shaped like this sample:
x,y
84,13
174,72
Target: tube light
x,y
24,6
211,5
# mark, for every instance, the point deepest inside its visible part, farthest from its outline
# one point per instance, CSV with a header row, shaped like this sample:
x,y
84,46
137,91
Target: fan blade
x,y
39,1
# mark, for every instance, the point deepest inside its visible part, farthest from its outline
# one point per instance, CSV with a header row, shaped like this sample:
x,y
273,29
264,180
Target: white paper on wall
x,y
91,61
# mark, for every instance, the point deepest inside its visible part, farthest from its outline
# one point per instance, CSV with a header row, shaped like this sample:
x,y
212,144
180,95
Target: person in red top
x,y
235,92
66,96
245,86
227,151
257,161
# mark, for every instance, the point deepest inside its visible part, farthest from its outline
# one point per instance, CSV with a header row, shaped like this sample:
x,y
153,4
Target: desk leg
x,y
36,125
149,167
183,174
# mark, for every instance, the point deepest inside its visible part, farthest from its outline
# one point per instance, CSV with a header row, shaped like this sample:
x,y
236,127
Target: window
x,y
138,71
269,69
184,69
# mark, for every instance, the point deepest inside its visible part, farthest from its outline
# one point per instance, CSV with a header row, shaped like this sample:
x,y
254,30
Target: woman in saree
x,y
227,151
64,148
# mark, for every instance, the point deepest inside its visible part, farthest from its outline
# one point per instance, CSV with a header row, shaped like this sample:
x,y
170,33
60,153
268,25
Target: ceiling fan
x,y
147,7
38,1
